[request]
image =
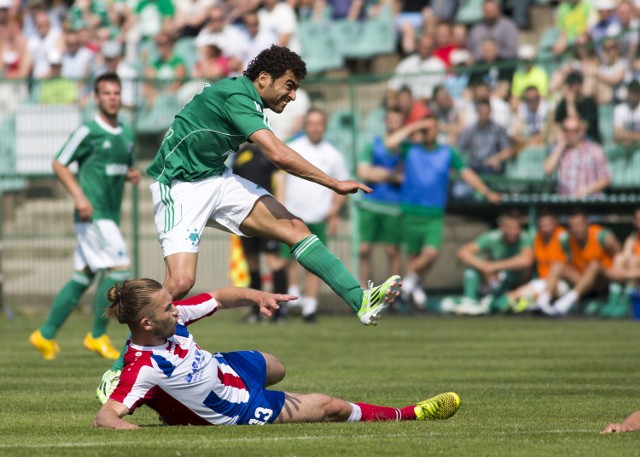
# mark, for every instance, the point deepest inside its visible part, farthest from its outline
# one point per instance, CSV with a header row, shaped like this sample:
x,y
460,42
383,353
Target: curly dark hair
x,y
276,60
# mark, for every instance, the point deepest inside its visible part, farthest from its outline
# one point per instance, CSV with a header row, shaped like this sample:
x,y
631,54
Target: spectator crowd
x,y
567,106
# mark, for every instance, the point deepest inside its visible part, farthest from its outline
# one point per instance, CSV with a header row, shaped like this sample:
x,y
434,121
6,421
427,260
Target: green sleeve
x,y
166,8
485,240
526,240
456,161
564,242
366,155
602,235
245,114
404,148
140,6
76,148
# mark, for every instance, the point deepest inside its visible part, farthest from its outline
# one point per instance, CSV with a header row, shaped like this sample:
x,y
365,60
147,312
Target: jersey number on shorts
x,y
262,415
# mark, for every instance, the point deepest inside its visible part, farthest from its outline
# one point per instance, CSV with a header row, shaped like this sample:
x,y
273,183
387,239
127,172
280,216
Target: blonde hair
x,y
129,299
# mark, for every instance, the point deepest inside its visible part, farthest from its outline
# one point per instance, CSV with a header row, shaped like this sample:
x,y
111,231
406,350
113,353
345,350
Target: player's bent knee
x,y
179,285
276,370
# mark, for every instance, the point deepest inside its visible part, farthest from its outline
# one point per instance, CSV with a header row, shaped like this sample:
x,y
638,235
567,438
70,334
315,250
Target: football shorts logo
x,y
193,236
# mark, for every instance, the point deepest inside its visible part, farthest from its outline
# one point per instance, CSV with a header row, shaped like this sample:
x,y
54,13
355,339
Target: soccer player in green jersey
x,y
102,149
193,188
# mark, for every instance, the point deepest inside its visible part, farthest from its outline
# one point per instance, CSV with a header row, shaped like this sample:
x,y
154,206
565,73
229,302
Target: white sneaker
x,y
419,298
471,307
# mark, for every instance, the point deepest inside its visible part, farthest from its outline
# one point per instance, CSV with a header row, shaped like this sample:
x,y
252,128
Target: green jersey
x,y
207,130
104,155
493,246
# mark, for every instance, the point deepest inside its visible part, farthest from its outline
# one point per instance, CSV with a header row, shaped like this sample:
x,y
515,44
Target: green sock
x,y
101,303
615,293
118,364
314,256
65,302
471,283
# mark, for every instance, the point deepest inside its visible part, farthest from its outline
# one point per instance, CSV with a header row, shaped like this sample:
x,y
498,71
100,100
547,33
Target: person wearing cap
x,y
576,104
528,74
573,19
457,79
626,117
607,24
629,30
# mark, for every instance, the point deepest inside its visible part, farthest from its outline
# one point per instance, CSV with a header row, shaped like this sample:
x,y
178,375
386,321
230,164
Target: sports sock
x,y
615,293
309,305
563,304
65,302
471,283
314,256
101,302
256,283
543,299
369,413
409,282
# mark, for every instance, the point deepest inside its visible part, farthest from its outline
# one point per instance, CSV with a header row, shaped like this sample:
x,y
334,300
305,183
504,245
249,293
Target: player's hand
x,y
494,197
269,302
351,187
84,208
134,176
617,428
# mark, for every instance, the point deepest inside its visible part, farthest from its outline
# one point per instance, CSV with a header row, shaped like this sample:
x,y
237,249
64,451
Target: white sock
x,y
294,290
309,305
409,282
419,297
356,413
564,303
543,299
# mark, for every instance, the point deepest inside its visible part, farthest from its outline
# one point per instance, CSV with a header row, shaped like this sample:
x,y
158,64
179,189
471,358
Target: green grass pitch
x,y
529,387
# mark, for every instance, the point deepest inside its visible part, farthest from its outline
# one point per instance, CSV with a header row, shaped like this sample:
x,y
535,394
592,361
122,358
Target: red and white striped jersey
x,y
185,384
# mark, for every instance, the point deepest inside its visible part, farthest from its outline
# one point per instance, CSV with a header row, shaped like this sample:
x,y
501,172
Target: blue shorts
x,y
264,405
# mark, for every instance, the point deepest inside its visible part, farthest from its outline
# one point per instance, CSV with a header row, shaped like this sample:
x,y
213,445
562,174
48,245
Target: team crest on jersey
x,y
106,144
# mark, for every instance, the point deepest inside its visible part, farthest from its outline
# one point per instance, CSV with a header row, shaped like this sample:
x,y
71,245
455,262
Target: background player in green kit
x,y
193,188
103,150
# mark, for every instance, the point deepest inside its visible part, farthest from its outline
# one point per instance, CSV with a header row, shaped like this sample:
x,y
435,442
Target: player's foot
x,y
442,406
419,298
108,384
48,348
376,299
101,345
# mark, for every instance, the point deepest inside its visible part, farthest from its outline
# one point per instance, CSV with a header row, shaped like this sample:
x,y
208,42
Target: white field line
x,y
262,439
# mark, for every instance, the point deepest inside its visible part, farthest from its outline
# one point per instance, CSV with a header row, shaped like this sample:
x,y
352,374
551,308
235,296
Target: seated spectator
x,y
258,39
500,110
485,145
520,12
409,19
626,117
583,61
413,110
607,25
76,60
497,27
548,256
167,73
111,60
495,262
47,40
280,18
57,90
447,112
214,64
611,73
352,10
229,38
629,30
532,121
580,163
421,72
576,104
153,17
457,79
528,74
493,71
423,196
15,61
88,13
191,16
444,44
573,19
590,249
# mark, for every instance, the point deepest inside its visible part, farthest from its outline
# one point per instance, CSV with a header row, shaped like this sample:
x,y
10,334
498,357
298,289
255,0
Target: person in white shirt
x,y
258,38
626,117
229,38
280,18
421,72
287,124
312,203
47,39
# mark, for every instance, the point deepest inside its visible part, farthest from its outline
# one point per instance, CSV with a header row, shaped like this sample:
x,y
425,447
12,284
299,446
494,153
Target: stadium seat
x,y
158,118
605,124
8,180
373,126
528,165
342,128
185,48
370,37
319,49
469,12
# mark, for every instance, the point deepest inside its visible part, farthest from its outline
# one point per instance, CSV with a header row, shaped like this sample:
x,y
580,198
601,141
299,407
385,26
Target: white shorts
x,y
182,211
100,246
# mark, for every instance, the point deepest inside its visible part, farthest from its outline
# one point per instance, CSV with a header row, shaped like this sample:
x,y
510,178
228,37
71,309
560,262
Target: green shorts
x,y
377,227
319,230
419,231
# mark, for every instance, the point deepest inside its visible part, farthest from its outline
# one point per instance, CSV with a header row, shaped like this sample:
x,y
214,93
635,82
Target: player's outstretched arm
x,y
293,163
630,424
235,297
110,416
